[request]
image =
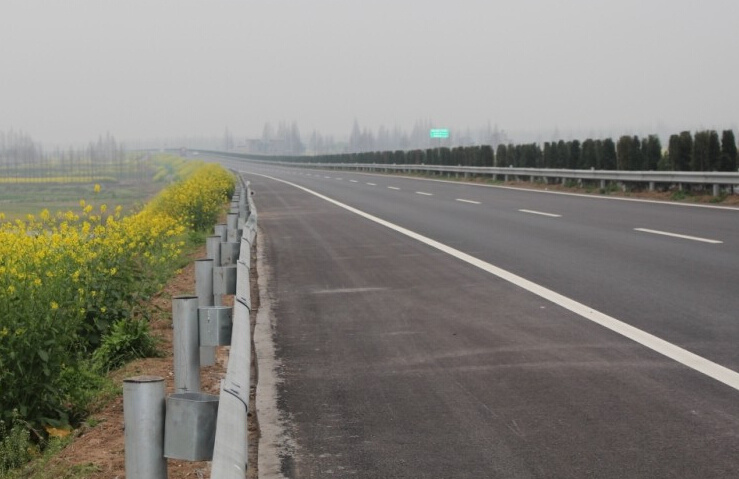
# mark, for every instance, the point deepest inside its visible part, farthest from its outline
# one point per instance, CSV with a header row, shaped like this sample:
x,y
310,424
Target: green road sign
x,y
439,133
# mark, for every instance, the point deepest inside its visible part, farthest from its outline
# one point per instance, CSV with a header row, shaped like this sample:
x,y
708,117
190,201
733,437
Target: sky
x,y
75,69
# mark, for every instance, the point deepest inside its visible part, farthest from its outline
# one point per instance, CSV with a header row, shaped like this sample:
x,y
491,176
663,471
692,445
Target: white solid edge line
x,y
424,193
676,353
675,235
469,201
541,213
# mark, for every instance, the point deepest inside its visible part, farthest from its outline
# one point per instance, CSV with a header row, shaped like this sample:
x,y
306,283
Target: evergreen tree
x,y
685,156
728,151
548,159
651,152
445,156
587,156
501,156
609,155
512,156
700,160
573,161
673,152
706,151
714,151
635,155
623,153
487,157
563,154
458,156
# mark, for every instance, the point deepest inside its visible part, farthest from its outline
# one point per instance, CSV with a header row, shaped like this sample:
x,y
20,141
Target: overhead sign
x,y
439,133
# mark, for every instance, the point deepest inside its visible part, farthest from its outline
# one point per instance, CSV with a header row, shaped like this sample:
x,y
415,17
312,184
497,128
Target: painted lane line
x,y
540,213
672,351
469,201
392,188
372,184
327,177
339,179
423,193
675,235
353,181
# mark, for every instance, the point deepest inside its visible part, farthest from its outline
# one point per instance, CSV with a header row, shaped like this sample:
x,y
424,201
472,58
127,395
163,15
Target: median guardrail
x,y
714,179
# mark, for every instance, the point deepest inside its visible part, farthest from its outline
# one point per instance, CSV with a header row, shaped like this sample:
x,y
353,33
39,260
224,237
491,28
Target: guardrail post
x,y
204,290
143,419
213,249
186,344
221,229
716,190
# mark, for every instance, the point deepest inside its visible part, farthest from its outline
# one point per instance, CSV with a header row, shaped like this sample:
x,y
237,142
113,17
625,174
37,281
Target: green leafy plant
x,y
16,446
127,340
678,195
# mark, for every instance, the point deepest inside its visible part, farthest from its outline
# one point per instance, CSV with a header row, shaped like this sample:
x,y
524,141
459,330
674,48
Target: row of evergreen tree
x,y
702,151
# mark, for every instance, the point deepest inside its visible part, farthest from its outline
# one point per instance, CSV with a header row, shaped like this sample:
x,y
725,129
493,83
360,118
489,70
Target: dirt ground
x,y
101,447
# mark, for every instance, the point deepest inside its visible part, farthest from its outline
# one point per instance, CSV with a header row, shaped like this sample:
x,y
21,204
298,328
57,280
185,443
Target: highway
x,y
451,330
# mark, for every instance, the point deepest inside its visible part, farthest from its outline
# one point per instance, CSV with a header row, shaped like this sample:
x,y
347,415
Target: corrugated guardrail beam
x,y
230,451
708,178
693,177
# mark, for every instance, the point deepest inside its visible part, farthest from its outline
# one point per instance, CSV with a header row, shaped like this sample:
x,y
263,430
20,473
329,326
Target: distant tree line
x,y
286,140
22,158
702,151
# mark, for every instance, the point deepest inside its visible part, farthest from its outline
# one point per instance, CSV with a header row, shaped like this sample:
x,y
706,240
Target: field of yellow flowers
x,y
66,279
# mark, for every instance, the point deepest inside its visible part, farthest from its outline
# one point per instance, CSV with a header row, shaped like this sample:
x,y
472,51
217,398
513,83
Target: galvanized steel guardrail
x,y
714,179
230,450
189,424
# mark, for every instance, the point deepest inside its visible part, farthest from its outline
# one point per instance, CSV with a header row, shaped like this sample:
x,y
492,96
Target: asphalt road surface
x,y
401,356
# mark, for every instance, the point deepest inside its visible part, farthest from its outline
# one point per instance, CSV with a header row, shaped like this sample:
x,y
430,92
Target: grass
x,y
17,201
44,466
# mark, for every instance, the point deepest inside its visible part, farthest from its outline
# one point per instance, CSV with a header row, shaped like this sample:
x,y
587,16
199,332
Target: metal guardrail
x,y
230,455
715,179
185,425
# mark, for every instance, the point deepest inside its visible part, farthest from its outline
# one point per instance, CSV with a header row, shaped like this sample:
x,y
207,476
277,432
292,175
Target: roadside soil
x,y
101,447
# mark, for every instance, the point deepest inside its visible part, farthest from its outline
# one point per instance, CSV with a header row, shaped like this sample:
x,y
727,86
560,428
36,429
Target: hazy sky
x,y
74,69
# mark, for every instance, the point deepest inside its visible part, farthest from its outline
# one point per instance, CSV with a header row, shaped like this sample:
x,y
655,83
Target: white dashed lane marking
x,y
675,235
541,213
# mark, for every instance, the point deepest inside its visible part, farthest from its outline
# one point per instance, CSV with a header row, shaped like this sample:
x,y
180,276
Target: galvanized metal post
x,y
213,249
221,229
143,419
204,281
186,344
204,291
232,220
